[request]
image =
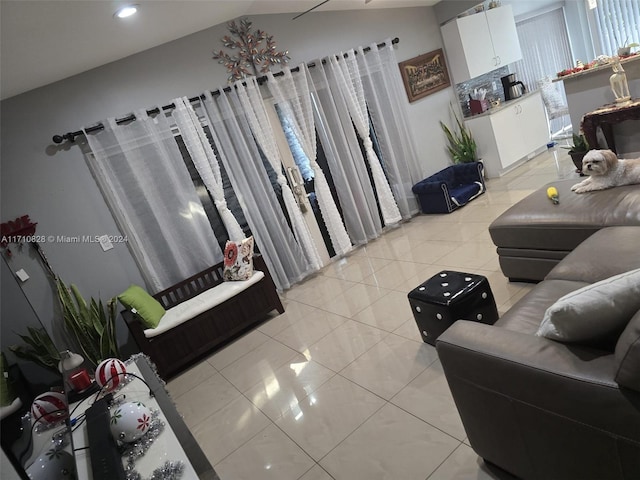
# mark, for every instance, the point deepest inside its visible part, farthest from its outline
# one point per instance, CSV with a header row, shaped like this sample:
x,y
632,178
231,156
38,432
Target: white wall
x,y
53,185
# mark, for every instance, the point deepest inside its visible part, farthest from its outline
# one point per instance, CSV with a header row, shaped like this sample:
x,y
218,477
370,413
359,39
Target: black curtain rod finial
x,y
71,136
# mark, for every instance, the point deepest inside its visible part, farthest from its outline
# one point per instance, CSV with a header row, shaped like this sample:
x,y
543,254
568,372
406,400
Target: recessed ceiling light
x,y
126,11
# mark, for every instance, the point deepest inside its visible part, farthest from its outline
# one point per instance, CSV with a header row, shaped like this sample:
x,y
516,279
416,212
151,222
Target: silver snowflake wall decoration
x,y
256,51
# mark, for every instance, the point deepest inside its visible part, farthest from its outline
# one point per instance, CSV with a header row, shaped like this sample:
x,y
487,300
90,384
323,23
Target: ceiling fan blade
x,y
312,8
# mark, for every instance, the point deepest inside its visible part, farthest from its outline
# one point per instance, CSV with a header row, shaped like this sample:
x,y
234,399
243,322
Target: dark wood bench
x,y
179,347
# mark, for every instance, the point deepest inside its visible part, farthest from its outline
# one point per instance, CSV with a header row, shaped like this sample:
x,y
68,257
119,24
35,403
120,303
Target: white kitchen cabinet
x,y
509,133
479,43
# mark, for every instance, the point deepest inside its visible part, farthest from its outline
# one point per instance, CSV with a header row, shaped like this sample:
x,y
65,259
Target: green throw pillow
x,y
148,308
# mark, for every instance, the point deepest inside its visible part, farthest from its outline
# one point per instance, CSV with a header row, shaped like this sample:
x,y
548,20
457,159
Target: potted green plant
x,y
462,147
38,348
93,325
625,49
578,150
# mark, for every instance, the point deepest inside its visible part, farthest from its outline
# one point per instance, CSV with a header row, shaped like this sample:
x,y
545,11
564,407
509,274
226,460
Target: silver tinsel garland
x,y
170,470
133,451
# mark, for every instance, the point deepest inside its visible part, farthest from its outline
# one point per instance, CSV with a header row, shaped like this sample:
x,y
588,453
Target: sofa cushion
x,y
208,299
587,264
536,223
148,309
628,355
594,312
462,194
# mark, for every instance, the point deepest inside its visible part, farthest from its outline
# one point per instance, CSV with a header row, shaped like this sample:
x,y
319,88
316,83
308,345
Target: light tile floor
x,y
341,385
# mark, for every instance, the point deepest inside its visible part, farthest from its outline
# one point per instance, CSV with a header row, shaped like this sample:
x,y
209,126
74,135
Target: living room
x,y
53,185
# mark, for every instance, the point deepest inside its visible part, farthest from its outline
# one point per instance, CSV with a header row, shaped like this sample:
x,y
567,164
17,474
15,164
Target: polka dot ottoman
x,y
449,296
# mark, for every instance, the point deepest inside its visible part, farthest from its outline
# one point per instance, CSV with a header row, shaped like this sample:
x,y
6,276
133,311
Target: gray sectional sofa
x,y
544,409
534,235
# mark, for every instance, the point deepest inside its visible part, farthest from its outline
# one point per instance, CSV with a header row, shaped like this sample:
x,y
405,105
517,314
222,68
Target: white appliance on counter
x,y
479,43
513,132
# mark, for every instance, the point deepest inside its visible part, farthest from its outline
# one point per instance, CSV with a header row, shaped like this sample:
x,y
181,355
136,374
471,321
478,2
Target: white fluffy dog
x,y
607,171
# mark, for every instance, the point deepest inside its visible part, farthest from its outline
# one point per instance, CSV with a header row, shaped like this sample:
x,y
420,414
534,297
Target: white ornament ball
x,y
110,373
49,407
53,465
130,421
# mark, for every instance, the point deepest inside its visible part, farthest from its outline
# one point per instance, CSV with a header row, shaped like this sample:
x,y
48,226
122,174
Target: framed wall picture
x,y
424,75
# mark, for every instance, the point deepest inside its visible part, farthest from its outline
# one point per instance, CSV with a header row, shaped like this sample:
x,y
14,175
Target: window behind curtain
x,y
210,209
617,22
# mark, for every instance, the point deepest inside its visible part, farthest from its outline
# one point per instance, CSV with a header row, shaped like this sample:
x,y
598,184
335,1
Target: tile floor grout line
x,y
444,461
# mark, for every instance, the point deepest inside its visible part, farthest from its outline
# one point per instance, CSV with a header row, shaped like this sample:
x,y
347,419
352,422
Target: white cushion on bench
x,y
201,303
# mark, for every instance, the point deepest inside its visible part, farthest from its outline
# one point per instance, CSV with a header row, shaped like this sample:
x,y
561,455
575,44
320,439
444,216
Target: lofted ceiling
x,y
43,41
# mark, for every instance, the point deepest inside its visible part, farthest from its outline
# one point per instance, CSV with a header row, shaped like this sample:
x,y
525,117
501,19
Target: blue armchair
x,y
450,188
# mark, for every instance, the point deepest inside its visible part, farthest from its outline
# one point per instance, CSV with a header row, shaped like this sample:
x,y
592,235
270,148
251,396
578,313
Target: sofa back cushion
x,y
628,355
467,173
445,175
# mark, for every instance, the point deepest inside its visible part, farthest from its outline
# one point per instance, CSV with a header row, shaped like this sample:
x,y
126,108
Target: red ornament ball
x,y
110,373
49,407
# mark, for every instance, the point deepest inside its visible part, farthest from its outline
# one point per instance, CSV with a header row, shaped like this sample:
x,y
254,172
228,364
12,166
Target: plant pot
x,y
624,51
577,160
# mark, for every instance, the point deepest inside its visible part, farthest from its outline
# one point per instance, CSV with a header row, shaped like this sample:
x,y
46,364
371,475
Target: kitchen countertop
x,y
571,76
502,106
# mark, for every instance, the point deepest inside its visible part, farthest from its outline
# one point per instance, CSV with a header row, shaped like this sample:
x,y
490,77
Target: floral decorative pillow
x,y
238,260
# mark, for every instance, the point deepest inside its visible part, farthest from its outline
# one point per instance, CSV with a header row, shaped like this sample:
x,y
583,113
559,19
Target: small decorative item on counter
x,y
618,81
580,66
552,193
130,421
494,4
49,407
477,101
110,373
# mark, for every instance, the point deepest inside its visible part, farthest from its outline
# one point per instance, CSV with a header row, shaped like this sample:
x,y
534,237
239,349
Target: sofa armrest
x,y
540,409
431,186
570,381
529,351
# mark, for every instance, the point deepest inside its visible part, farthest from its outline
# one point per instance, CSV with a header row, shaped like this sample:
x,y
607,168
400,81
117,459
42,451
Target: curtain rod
x,y
71,136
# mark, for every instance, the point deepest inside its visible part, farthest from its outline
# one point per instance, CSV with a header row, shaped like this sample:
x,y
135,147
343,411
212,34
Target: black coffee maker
x,y
512,88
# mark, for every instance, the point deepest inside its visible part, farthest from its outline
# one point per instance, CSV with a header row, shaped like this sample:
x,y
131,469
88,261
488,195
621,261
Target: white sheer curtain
x,y
254,109
384,92
140,171
242,161
344,157
292,95
349,79
205,161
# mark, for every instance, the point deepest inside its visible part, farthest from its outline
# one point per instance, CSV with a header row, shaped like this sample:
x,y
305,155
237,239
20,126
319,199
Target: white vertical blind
x,y
545,51
545,47
617,24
